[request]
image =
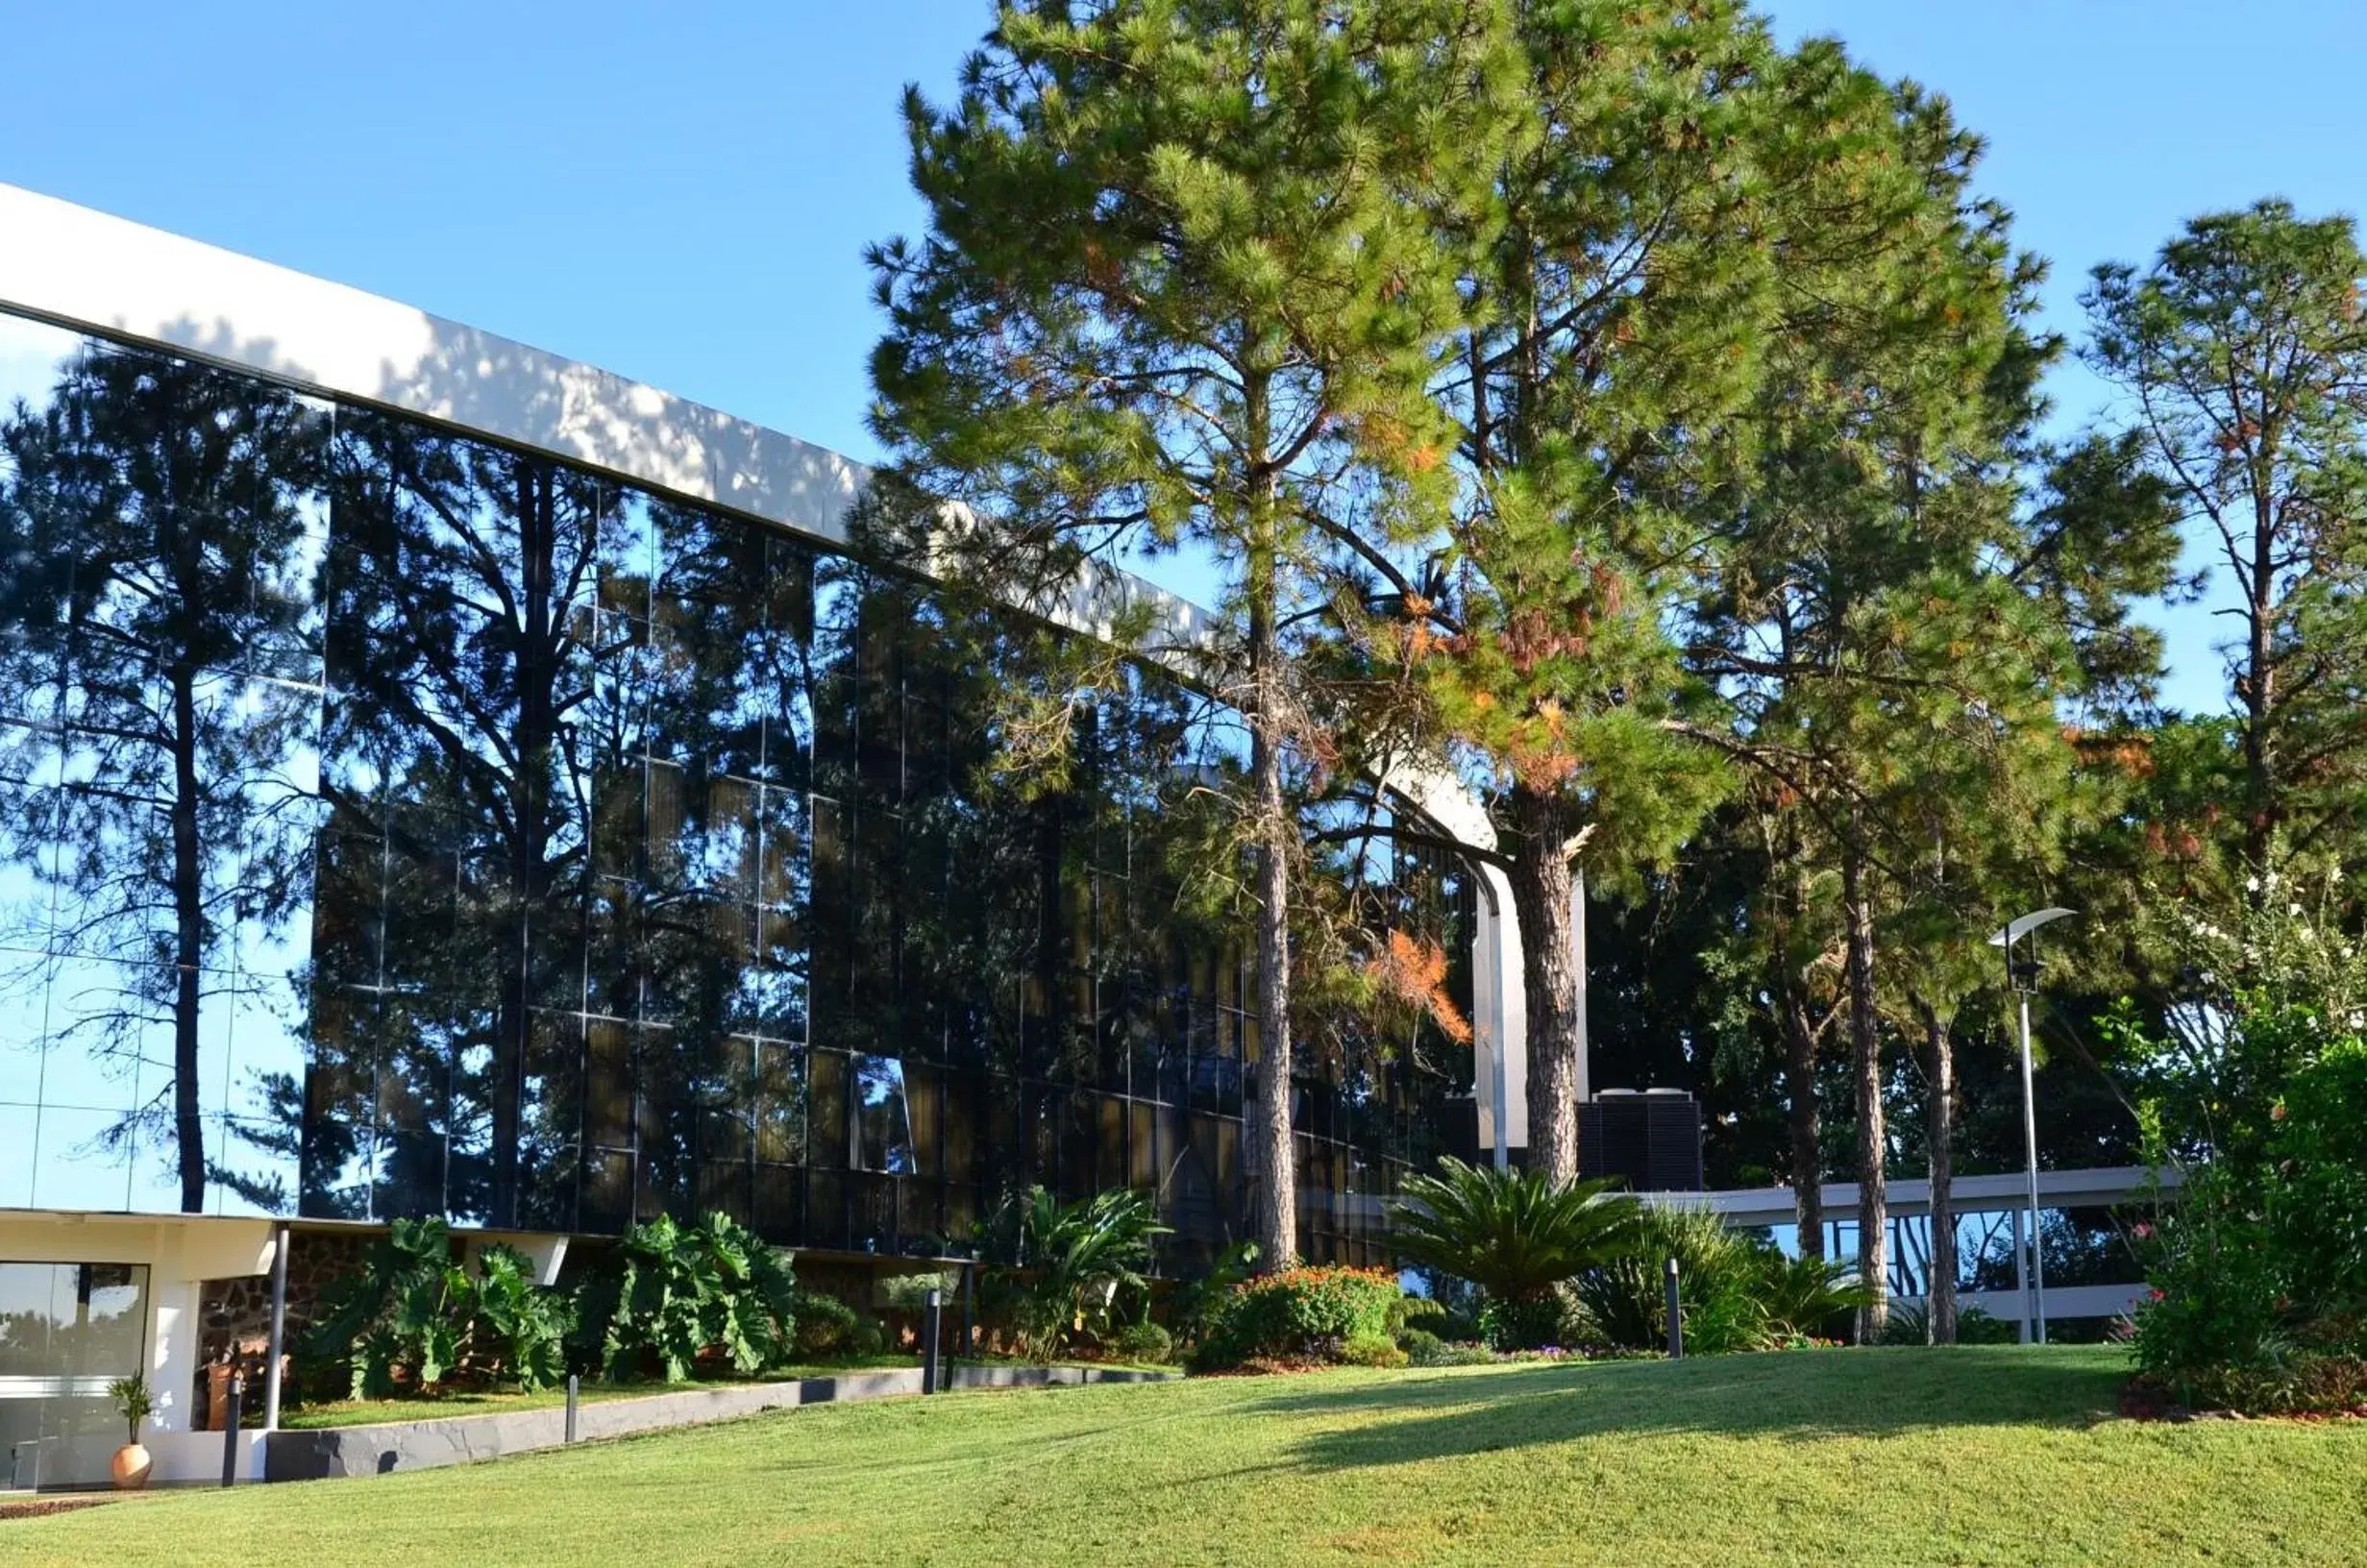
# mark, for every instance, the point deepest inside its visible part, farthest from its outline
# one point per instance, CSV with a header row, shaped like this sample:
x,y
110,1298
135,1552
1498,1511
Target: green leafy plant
x,y
2258,1273
1425,1349
132,1401
909,1292
1730,1287
1515,1235
1144,1342
1070,1261
413,1320
1300,1313
1370,1350
1191,1306
1908,1325
825,1326
1807,1298
670,1294
527,1322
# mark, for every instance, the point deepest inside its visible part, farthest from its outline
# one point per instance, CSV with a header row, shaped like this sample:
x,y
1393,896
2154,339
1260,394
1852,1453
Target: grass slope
x,y
1884,1456
364,1413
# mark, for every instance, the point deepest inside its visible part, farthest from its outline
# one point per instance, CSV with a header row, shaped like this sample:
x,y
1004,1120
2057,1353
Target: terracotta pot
x,y
217,1395
132,1464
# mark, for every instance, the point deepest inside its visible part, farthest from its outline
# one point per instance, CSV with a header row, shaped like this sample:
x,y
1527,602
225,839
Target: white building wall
x,y
181,1253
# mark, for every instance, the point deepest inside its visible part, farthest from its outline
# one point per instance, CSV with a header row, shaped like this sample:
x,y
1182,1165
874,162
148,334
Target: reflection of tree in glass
x,y
697,743
567,767
154,547
466,620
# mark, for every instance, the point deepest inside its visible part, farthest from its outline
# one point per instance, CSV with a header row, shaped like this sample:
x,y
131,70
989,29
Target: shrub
x,y
1515,1235
1300,1311
1069,1262
1513,1324
2213,1326
2258,1272
1370,1350
1458,1328
1415,1310
671,1293
909,1292
413,1320
1908,1325
1807,1298
870,1336
825,1325
1737,1291
1192,1304
1146,1342
1432,1351
1717,1271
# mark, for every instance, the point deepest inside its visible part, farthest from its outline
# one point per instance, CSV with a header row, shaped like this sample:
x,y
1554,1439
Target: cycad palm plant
x,y
1073,1259
1516,1235
1810,1298
1717,1273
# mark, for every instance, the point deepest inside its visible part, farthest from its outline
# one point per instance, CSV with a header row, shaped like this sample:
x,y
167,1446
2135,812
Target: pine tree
x,y
1849,620
2245,352
1615,322
1180,290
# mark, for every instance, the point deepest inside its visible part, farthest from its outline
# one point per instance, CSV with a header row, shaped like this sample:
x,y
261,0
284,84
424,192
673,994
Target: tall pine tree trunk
x,y
1939,1069
1807,1157
1865,1050
537,664
189,941
1274,1174
2257,689
1544,896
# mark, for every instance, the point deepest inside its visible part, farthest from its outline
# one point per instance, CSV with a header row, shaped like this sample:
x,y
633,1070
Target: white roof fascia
x,y
104,273
91,271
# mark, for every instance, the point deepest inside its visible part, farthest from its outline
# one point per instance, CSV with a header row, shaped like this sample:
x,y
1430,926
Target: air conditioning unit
x,y
1648,1139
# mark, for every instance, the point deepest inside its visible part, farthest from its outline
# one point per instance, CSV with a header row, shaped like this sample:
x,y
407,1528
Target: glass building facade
x,y
393,824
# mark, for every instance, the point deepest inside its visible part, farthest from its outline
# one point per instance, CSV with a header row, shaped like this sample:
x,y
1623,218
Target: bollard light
x,y
229,1431
1676,1316
928,1342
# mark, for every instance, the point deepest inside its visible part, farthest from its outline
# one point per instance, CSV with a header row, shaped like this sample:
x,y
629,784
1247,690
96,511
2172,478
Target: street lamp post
x,y
2022,974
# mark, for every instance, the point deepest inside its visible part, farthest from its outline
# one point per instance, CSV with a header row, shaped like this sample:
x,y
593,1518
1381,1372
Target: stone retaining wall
x,y
423,1445
234,1314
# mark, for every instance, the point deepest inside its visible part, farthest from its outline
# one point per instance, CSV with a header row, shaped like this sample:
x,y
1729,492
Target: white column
x,y
1488,1026
1500,1055
1500,1031
174,1328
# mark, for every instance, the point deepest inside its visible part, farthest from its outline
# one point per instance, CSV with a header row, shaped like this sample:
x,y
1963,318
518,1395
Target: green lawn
x,y
1887,1456
362,1412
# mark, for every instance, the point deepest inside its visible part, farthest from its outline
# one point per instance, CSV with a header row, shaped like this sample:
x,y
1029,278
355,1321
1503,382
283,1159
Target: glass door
x,y
66,1332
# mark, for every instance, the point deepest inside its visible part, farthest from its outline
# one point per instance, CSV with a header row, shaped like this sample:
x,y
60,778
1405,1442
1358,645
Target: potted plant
x,y
132,1401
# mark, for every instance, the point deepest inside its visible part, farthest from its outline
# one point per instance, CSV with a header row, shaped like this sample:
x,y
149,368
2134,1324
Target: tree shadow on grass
x,y
1798,1396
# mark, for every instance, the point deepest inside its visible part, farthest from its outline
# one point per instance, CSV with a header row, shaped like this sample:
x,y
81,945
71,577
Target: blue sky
x,y
682,193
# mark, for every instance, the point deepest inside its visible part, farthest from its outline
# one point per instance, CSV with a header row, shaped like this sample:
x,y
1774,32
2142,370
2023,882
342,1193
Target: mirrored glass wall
x,y
393,824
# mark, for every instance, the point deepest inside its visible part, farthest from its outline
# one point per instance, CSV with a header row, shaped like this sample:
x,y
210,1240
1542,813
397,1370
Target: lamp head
x,y
2019,938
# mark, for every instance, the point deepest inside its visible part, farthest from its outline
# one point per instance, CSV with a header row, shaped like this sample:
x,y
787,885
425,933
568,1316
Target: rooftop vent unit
x,y
1648,1139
